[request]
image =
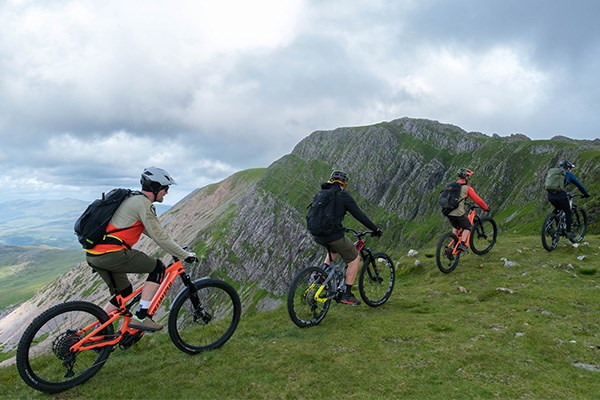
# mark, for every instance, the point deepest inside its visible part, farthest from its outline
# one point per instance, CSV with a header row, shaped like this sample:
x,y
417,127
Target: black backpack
x,y
449,198
320,219
90,227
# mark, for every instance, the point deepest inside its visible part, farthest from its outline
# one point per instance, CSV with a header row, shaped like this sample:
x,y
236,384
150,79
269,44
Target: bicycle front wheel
x,y
446,261
307,301
376,279
44,360
483,235
204,318
579,226
550,232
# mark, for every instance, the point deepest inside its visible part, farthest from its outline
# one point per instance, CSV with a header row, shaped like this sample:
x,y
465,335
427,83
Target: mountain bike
x,y
555,225
481,239
68,344
313,288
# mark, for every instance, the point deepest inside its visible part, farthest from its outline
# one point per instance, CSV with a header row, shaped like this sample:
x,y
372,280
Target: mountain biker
x,y
115,258
458,217
337,243
560,199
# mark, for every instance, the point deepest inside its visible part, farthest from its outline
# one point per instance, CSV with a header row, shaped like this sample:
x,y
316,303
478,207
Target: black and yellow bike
x,y
314,288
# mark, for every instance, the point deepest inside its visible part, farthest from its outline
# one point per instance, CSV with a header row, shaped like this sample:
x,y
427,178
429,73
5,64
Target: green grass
x,y
449,336
20,280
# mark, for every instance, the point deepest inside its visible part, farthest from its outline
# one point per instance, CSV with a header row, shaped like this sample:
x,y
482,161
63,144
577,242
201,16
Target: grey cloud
x,y
310,70
348,63
558,30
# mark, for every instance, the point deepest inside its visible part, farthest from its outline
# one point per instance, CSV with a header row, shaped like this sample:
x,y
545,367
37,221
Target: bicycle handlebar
x,y
474,206
357,233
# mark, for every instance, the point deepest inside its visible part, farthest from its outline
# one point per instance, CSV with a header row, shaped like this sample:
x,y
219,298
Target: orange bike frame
x,y
459,232
92,338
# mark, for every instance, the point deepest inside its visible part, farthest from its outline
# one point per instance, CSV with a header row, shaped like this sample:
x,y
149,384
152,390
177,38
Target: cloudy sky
x,y
91,92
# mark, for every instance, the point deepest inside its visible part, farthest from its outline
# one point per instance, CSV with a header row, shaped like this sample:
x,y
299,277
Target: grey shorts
x,y
113,267
345,248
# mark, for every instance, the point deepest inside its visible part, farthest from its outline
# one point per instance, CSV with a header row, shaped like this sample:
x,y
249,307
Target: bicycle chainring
x,y
129,339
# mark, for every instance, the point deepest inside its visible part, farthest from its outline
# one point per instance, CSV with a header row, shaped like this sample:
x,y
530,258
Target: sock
x,y
144,304
142,310
348,288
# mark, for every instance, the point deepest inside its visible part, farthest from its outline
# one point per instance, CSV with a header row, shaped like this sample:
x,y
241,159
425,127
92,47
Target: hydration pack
x,y
555,180
90,227
449,197
320,219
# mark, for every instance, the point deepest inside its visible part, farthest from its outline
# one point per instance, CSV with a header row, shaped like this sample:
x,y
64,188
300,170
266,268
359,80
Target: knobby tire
x,y
376,279
579,224
303,309
483,235
209,326
43,357
446,261
550,233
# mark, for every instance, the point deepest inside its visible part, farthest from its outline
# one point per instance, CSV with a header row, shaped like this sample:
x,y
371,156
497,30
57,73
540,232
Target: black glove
x,y
191,258
377,233
585,196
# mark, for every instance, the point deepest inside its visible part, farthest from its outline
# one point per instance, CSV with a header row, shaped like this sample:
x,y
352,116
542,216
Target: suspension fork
x,y
187,281
366,254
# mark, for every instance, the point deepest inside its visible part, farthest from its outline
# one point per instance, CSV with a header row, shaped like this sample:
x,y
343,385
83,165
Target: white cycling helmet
x,y
154,179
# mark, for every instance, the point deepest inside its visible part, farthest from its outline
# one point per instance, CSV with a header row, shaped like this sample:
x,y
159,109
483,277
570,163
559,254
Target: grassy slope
x,y
20,280
431,340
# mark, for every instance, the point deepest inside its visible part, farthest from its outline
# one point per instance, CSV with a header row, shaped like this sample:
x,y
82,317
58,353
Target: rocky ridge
x,y
250,227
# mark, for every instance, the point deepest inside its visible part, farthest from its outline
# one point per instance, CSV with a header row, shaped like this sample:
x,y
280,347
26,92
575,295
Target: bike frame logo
x,y
163,294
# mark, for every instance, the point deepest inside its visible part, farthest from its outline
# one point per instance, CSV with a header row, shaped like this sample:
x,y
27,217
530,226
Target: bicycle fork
x,y
200,313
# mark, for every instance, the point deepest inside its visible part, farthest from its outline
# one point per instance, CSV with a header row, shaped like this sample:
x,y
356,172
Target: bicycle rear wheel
x,y
446,261
204,319
579,225
483,235
43,357
376,279
550,232
303,308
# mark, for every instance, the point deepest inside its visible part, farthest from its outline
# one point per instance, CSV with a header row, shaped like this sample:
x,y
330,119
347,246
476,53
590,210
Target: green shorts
x,y
113,267
345,248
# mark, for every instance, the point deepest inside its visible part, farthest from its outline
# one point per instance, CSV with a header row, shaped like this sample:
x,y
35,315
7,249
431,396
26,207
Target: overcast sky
x,y
91,92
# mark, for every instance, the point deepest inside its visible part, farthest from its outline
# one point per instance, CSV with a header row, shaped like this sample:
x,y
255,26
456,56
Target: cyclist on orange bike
x,y
336,242
458,217
114,257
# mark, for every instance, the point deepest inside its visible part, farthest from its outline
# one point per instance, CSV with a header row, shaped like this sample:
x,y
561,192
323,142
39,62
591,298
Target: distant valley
x,y
43,222
37,245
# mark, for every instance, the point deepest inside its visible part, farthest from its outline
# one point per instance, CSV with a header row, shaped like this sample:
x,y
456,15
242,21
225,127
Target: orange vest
x,y
129,236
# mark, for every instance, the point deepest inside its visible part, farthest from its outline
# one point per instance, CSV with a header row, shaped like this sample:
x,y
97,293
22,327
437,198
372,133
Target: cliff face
x,y
250,228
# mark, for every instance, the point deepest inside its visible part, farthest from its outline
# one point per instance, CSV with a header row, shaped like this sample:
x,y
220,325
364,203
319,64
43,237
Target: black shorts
x,y
461,222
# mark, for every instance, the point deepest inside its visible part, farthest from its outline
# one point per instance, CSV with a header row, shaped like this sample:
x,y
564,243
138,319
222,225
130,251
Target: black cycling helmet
x,y
464,173
154,179
565,164
339,177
